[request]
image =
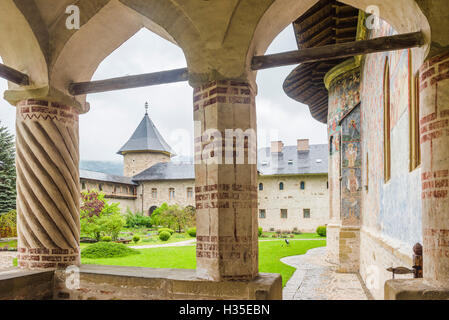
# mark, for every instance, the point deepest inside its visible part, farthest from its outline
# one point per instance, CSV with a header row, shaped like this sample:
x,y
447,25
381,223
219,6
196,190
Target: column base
x,y
415,289
349,249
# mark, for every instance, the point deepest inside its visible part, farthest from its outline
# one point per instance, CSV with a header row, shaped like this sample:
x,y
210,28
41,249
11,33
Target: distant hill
x,y
116,167
109,167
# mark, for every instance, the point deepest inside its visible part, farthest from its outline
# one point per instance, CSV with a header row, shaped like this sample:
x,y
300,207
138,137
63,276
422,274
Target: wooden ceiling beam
x,y
14,76
338,51
142,80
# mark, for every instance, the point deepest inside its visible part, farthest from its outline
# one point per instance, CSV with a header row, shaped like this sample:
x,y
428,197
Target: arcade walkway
x,y
316,279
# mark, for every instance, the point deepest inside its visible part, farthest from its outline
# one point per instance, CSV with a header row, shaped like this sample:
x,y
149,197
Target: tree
x,y
99,217
174,217
7,171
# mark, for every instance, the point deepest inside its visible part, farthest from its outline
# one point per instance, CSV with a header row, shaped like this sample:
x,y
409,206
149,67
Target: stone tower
x,y
145,148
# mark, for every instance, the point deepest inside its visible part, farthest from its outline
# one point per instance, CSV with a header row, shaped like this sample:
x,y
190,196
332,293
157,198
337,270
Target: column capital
x,y
45,93
198,80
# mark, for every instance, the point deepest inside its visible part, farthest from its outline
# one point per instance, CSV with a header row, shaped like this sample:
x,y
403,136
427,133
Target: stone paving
x,y
6,258
316,279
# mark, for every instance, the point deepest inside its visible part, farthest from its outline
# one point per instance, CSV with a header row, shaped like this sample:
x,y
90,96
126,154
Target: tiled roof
x,y
146,138
292,161
167,171
99,176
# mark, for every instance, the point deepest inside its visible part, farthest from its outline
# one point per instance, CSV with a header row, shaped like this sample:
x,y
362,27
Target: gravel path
x,y
316,279
173,244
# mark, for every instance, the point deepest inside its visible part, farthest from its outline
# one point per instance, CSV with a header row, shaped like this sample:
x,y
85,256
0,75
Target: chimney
x,y
303,144
276,146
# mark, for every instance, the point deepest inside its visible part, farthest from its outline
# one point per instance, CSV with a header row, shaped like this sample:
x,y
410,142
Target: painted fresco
x,y
344,94
393,208
351,168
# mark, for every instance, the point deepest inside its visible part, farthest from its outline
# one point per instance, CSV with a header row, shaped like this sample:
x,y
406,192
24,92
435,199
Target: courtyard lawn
x,y
9,244
269,235
270,253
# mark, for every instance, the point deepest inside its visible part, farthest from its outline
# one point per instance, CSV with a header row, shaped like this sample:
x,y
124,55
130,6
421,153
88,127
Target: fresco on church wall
x,y
393,208
351,163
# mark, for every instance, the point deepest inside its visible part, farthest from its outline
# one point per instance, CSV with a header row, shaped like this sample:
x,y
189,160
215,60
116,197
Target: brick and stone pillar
x,y
345,185
434,130
226,180
48,193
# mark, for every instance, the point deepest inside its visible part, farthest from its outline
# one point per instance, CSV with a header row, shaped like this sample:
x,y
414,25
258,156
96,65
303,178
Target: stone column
x,y
48,192
343,83
226,181
434,130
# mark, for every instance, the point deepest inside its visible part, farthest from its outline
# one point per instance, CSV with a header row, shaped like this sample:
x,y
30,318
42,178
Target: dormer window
x,y
290,161
264,163
319,160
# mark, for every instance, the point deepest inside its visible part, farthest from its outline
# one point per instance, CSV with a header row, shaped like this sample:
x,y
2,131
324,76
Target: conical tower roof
x,y
146,138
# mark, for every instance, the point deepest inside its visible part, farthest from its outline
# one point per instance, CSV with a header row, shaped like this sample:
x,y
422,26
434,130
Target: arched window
x,y
260,186
281,186
387,128
303,185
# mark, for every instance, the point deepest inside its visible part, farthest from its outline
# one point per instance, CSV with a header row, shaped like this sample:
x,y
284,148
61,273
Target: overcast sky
x,y
115,115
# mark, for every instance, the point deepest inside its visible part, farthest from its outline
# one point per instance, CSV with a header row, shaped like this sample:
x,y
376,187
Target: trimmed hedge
x,y
107,250
321,231
171,231
192,232
164,235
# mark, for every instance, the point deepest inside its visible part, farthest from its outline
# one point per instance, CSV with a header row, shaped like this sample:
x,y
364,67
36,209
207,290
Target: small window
x,y
260,186
154,193
83,186
171,193
262,214
290,161
281,186
302,185
100,187
327,185
306,213
283,213
189,192
264,163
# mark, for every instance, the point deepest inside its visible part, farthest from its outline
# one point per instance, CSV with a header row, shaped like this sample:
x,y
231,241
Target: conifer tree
x,y
7,171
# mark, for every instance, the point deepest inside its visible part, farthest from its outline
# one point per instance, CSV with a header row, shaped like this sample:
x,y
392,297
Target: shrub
x,y
174,217
137,220
136,238
192,232
296,231
260,231
274,236
106,239
107,250
164,235
8,224
171,231
321,231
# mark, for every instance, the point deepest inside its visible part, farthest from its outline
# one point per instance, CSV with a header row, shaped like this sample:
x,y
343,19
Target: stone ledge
x,y
17,284
414,289
130,283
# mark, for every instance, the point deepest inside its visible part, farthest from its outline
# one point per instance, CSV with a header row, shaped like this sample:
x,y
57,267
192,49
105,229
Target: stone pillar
x,y
434,130
226,181
343,83
48,192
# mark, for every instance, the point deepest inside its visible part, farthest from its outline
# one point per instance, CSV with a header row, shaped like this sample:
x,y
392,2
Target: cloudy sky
x,y
115,115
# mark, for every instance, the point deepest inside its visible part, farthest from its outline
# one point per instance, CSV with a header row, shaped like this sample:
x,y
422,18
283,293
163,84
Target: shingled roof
x,y
146,138
99,176
327,22
291,161
167,171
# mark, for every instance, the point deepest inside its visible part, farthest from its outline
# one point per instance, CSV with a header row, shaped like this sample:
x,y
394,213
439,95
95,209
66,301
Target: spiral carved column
x,y
48,189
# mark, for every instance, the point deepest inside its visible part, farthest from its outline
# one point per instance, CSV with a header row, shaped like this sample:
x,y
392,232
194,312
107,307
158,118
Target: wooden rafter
x,y
13,75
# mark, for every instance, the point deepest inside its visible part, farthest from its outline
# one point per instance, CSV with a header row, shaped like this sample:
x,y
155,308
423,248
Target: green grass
x,y
10,244
184,257
296,236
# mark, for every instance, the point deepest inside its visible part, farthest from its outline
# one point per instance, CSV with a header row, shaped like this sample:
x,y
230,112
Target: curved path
x,y
316,279
173,244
